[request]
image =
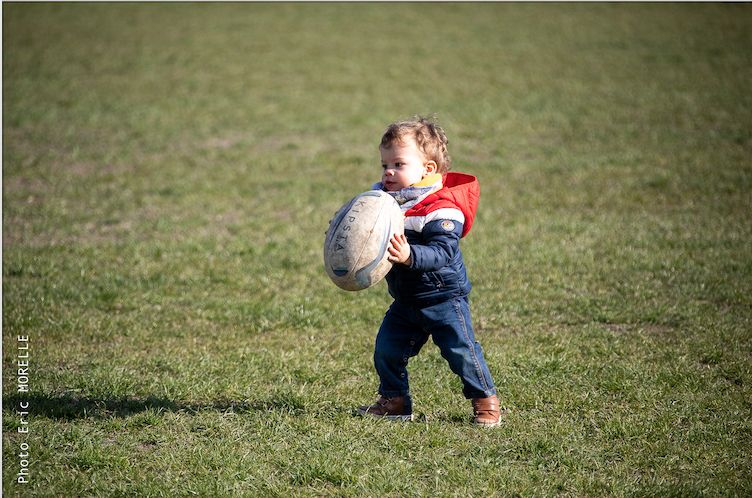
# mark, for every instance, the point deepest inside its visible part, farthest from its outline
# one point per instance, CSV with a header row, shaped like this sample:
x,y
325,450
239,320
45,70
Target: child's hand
x,y
330,221
399,250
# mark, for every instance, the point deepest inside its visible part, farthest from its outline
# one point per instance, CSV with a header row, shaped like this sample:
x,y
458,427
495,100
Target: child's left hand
x,y
399,250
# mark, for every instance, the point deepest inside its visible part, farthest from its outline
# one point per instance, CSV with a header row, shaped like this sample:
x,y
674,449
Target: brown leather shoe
x,y
486,411
390,408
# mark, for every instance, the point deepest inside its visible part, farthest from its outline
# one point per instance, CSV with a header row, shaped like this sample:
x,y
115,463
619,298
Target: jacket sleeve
x,y
439,244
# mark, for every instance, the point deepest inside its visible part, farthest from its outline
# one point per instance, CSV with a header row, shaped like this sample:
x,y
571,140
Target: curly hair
x,y
427,136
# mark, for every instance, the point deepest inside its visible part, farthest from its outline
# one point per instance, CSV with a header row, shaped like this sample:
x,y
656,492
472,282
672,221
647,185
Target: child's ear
x,y
431,167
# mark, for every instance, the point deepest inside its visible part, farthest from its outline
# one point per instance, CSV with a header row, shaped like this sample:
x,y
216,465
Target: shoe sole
x,y
399,418
481,424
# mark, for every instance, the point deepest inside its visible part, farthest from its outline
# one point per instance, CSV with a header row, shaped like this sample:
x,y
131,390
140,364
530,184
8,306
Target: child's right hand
x,y
330,221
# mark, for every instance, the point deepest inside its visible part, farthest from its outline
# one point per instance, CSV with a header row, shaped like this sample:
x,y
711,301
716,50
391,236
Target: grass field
x,y
168,174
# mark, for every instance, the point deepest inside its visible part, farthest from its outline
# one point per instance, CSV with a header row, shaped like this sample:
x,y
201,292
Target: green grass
x,y
168,174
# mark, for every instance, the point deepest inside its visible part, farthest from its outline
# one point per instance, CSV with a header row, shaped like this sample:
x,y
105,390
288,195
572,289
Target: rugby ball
x,y
357,241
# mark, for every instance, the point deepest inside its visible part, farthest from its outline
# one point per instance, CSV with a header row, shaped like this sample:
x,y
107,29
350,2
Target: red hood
x,y
460,191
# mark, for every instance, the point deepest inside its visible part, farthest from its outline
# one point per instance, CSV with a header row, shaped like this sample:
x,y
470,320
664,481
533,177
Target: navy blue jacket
x,y
433,229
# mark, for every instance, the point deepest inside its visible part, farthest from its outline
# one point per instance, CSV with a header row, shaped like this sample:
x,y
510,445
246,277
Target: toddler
x,y
428,281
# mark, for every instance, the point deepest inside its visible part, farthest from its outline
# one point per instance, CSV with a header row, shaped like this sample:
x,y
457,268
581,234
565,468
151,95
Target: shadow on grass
x,y
69,406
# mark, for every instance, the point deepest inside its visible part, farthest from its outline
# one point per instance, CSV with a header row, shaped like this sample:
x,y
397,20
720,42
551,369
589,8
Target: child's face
x,y
404,165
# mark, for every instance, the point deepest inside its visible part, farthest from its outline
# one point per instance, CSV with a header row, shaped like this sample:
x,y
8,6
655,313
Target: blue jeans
x,y
405,330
